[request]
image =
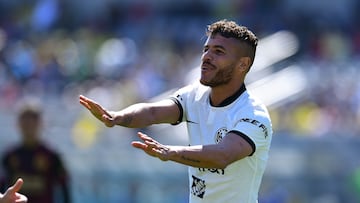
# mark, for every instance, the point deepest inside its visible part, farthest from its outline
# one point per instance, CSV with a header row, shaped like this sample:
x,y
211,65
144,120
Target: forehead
x,y
29,116
218,40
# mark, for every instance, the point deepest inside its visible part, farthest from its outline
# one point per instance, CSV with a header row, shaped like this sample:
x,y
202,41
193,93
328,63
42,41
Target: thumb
x,y
16,187
108,121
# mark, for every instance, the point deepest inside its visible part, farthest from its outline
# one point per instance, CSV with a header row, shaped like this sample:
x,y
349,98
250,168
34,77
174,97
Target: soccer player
x,y
39,166
12,196
229,130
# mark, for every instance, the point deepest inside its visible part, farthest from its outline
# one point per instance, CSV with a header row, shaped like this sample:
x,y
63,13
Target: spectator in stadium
x,y
230,131
12,196
39,166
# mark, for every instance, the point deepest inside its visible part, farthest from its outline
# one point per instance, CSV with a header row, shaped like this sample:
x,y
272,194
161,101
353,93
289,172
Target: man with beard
x,y
229,130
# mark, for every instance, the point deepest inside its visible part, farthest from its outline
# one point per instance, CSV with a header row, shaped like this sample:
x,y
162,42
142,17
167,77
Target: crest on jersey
x,y
198,187
220,134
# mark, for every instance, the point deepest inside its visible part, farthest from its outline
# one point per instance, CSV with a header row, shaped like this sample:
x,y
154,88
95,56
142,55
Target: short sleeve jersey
x,y
40,167
206,124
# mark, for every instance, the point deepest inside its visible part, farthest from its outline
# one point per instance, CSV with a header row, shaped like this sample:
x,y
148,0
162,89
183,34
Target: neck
x,y
30,143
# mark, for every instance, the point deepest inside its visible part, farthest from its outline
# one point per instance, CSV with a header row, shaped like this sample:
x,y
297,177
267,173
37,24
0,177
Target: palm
x,y
151,147
97,110
11,195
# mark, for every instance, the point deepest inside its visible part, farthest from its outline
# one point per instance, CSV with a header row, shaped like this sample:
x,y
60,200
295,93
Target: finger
x,y
144,137
146,148
85,104
21,198
84,101
93,106
17,186
151,141
140,134
90,104
139,145
83,98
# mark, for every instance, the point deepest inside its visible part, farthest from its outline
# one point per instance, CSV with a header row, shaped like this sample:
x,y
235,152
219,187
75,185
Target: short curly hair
x,y
29,110
231,29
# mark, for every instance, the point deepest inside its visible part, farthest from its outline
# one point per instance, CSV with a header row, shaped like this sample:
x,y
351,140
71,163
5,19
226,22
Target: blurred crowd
x,y
134,50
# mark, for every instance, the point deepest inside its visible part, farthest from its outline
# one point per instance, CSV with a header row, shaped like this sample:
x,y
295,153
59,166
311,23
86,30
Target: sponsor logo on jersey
x,y
256,123
213,170
198,187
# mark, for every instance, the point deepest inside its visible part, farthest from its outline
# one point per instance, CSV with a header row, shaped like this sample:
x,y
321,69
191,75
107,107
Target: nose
x,y
206,56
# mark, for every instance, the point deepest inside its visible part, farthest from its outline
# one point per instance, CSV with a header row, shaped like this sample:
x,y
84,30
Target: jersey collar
x,y
232,98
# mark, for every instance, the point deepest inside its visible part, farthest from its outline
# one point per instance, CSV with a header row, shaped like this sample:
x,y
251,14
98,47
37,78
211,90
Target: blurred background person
x,y
39,166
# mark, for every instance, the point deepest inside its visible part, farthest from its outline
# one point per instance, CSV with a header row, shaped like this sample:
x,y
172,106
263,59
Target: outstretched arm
x,y
135,116
12,196
230,149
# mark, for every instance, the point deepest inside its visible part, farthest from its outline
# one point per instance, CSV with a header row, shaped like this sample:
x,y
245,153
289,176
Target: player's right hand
x,y
12,196
98,111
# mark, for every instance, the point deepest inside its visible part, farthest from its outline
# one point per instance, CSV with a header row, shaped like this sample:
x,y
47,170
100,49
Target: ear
x,y
244,63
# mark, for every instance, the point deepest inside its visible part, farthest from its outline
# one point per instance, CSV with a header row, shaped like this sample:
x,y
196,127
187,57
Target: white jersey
x,y
243,114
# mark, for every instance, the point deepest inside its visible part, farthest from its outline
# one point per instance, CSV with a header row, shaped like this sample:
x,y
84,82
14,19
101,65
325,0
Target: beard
x,y
222,77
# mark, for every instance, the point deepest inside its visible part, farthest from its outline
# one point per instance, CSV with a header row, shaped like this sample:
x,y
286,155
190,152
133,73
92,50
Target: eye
x,y
219,51
205,49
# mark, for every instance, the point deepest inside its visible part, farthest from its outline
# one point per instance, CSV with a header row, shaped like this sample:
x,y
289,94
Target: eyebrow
x,y
216,46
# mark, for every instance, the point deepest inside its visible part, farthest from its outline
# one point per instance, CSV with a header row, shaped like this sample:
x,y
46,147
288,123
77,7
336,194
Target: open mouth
x,y
207,66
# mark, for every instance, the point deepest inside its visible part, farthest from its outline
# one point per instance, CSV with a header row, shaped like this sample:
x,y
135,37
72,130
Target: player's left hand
x,y
152,147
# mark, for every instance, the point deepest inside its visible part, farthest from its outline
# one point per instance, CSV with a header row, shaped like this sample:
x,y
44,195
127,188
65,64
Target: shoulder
x,y
193,88
254,105
253,112
12,150
10,153
194,92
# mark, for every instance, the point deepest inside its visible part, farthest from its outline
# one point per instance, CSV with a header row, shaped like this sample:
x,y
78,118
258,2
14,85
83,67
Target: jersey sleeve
x,y
180,98
255,130
181,115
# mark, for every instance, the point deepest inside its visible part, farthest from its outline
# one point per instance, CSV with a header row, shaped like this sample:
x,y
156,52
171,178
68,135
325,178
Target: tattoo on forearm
x,y
126,120
189,159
